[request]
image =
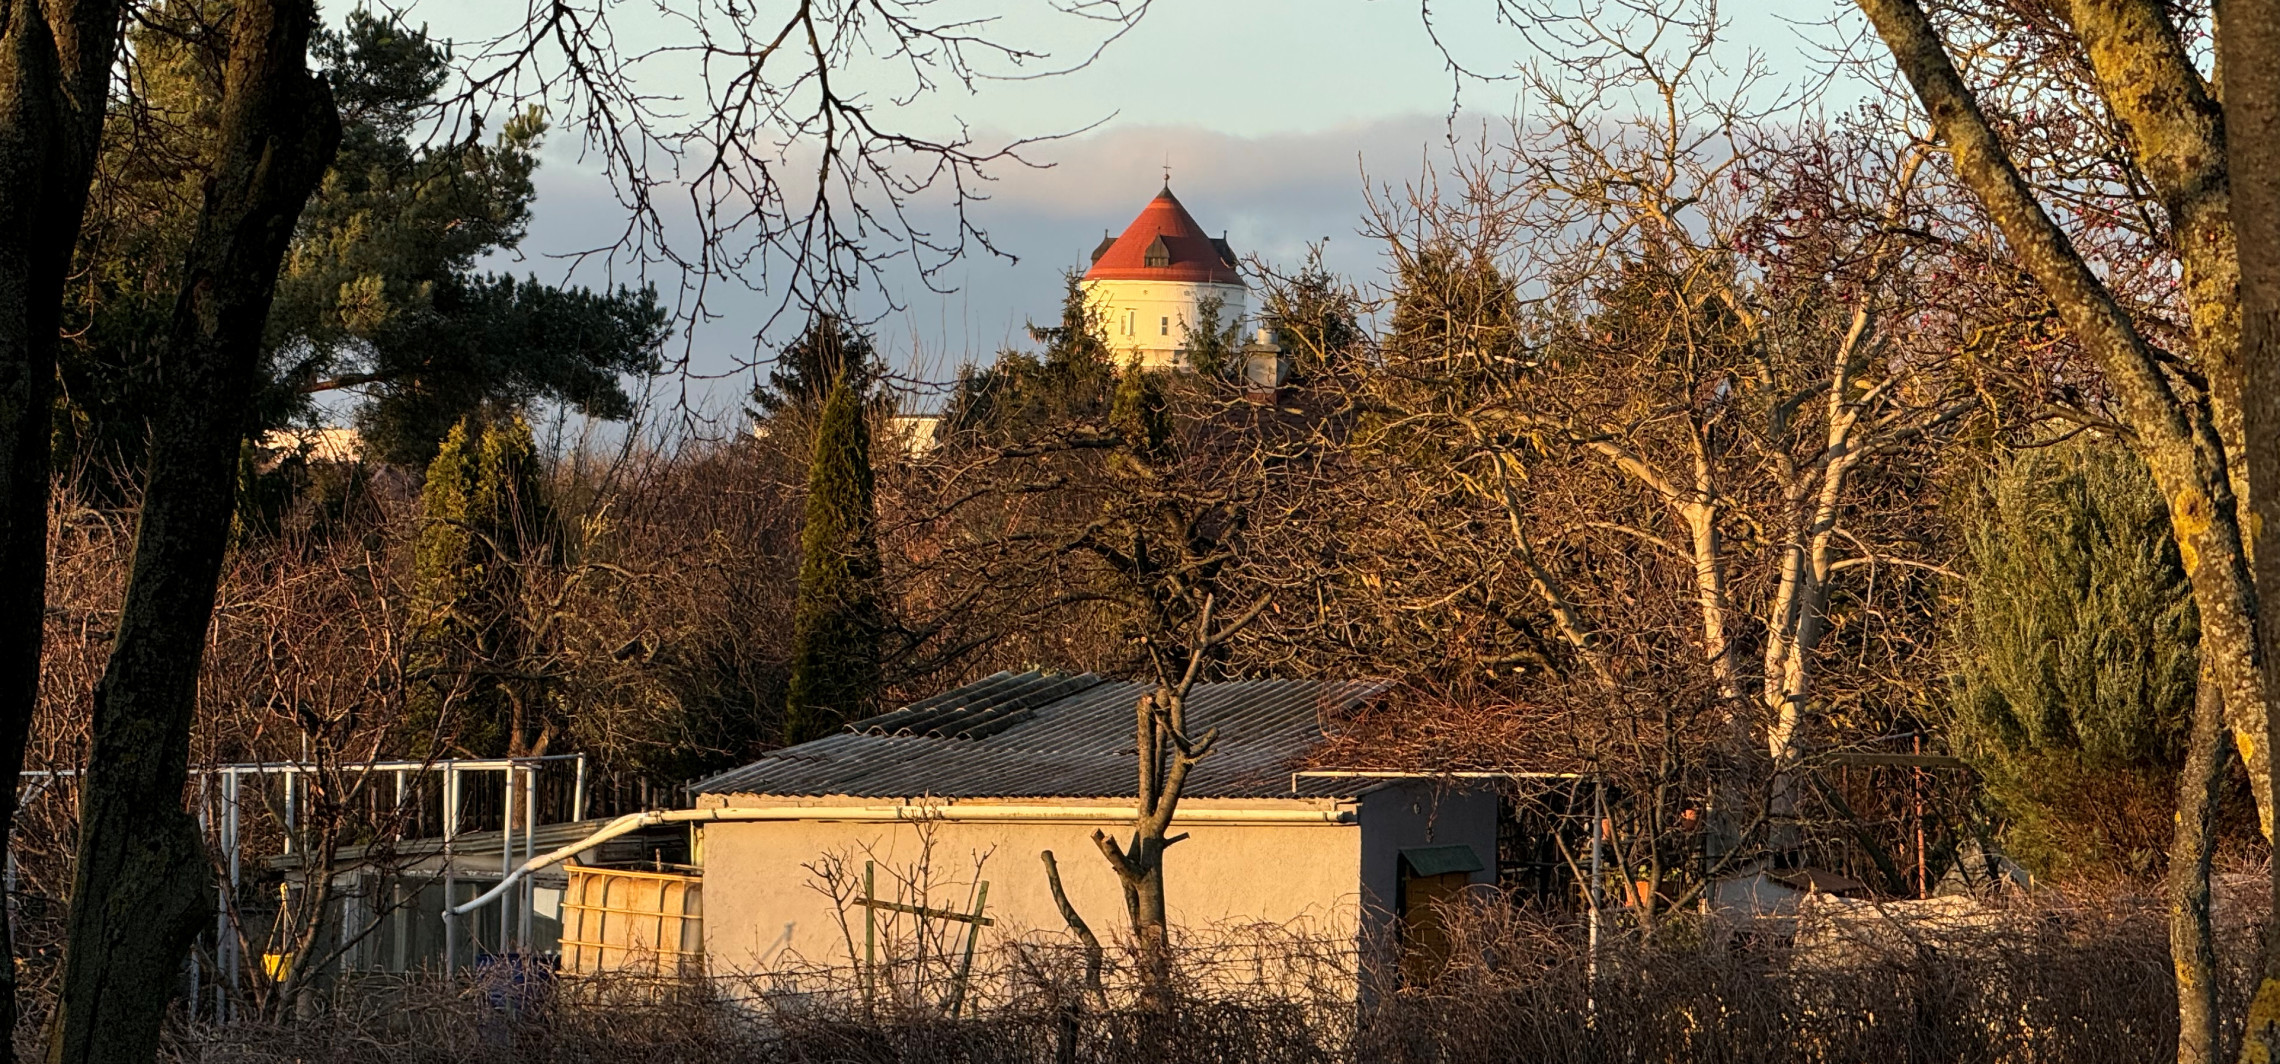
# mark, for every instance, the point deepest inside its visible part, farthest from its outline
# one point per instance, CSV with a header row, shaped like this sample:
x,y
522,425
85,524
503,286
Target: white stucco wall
x,y
1150,319
1329,882
763,909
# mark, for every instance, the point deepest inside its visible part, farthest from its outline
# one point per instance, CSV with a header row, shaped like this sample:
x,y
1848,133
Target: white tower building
x,y
1146,286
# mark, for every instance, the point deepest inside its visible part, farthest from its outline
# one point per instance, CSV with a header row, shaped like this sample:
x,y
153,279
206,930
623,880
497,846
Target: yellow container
x,y
617,920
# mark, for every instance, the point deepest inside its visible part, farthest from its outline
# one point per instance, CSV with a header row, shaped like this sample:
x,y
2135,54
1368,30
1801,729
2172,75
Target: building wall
x,y
1421,813
764,909
1152,317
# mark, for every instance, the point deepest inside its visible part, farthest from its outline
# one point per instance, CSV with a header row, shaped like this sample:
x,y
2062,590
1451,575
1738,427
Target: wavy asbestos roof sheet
x,y
1037,735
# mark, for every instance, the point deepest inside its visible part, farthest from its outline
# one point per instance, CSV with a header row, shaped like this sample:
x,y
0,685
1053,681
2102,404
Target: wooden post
x,y
870,939
974,922
973,931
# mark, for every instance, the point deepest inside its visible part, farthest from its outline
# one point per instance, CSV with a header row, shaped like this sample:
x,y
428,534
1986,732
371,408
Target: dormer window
x,y
1159,254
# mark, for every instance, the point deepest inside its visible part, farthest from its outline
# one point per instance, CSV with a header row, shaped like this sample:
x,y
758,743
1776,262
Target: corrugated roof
x,y
1038,735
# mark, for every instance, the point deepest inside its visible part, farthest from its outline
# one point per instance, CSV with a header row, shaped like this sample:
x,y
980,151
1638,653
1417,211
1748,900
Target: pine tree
x,y
1316,317
2076,666
1451,302
828,350
383,289
836,623
1073,378
1214,347
481,522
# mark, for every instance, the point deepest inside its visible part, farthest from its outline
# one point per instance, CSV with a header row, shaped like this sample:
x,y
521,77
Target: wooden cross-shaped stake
x,y
872,904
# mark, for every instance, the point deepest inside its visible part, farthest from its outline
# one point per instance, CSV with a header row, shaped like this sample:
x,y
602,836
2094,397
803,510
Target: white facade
x,y
1329,870
1147,322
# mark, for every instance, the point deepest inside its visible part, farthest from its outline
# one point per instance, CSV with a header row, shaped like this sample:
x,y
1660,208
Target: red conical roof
x,y
1164,244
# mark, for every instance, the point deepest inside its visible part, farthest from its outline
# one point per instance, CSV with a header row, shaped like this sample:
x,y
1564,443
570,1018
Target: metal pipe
x,y
450,881
1591,955
506,849
1015,814
205,834
530,848
232,785
578,792
472,763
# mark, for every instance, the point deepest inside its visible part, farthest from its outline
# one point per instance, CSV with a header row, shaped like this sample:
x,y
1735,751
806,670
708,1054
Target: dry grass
x,y
2026,980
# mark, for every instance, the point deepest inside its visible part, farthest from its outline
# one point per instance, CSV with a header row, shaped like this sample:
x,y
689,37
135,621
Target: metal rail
x,y
229,779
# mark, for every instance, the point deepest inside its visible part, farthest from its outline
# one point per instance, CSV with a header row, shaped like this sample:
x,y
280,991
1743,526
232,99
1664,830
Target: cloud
x,y
1271,194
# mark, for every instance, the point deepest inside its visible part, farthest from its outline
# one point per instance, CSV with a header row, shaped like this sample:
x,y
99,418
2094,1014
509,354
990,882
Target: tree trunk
x,y
55,65
2248,42
139,892
2192,942
1166,756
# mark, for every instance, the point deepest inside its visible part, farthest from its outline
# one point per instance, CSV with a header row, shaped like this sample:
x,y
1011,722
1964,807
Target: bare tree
x,y
1168,750
1717,316
796,176
2158,139
137,895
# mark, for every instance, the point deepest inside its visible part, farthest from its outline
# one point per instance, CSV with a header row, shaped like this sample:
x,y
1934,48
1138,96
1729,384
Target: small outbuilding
x,y
917,809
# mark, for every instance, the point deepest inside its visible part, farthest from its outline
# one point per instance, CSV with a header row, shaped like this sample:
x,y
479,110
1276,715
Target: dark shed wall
x,y
1410,813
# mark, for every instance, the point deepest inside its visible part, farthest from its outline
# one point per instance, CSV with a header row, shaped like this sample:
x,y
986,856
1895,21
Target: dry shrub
x,y
2042,979
1950,979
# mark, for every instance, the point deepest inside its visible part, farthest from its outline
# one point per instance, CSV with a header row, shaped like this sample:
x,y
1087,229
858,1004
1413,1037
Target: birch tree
x,y
1719,316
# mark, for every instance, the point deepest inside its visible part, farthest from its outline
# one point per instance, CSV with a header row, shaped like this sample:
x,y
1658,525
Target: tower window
x,y
1164,327
1128,316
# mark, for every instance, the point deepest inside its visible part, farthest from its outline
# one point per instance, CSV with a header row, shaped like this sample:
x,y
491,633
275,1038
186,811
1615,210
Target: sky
x,y
1270,115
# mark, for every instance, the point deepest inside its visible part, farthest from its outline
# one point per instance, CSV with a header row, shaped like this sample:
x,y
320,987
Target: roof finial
x,y
1167,171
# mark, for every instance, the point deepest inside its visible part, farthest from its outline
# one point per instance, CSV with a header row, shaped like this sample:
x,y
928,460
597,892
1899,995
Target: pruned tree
x,y
1168,750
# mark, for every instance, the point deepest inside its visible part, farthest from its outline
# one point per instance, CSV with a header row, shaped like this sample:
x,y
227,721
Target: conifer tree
x,y
2077,656
481,522
830,348
1073,377
835,633
1214,346
1316,317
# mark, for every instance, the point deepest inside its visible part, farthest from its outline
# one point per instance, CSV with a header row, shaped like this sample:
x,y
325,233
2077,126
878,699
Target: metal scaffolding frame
x,y
229,779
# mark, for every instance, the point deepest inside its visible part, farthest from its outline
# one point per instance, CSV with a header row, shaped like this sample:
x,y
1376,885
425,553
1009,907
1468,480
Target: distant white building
x,y
916,434
317,444
1146,287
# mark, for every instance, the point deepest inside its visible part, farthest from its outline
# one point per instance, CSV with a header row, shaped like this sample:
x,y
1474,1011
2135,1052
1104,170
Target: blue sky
x,y
1269,112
